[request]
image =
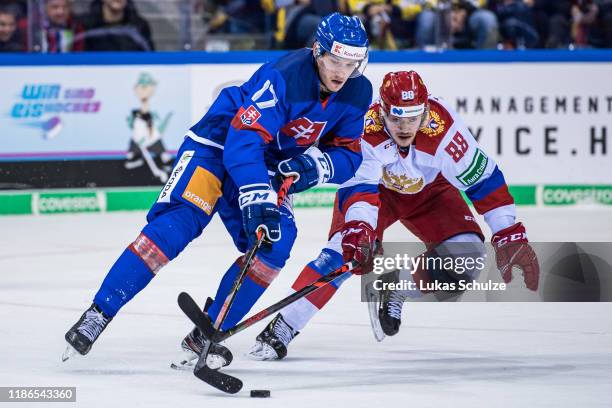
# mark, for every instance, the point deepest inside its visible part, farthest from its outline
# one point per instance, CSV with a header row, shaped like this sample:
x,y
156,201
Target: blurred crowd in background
x,y
55,26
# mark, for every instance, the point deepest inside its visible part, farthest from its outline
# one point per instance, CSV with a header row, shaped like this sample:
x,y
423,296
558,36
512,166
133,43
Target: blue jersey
x,y
278,113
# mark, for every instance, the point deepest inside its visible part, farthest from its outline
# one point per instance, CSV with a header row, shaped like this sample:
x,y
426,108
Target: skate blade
x,y
373,301
69,352
183,365
186,362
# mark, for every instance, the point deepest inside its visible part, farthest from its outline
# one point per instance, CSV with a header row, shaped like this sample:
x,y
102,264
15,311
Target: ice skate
x,y
192,346
85,332
390,311
272,342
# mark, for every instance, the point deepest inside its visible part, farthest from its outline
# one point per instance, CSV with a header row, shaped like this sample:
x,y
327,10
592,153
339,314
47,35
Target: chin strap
x,y
324,93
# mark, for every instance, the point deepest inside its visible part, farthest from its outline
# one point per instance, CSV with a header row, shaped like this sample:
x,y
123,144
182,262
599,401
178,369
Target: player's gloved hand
x,y
260,210
512,249
358,239
309,169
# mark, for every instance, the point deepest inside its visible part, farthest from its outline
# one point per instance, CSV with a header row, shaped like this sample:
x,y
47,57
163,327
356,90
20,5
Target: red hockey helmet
x,y
403,94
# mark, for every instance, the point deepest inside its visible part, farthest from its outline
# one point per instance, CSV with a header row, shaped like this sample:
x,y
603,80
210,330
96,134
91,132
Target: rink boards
x,y
66,121
127,199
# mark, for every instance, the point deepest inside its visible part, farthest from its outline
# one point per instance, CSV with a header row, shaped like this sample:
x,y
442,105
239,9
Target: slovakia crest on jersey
x,y
250,116
303,130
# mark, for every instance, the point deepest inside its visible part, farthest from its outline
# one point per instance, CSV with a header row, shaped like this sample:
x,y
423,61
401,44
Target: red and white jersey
x,y
444,146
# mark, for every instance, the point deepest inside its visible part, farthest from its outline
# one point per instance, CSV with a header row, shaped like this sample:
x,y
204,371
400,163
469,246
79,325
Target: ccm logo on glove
x,y
255,197
521,236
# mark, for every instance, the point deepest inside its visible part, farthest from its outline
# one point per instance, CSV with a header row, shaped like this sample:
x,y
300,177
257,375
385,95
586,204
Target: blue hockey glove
x,y
309,169
259,210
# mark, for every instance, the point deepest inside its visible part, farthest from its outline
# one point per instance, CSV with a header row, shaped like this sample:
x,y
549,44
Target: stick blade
x,y
221,381
195,314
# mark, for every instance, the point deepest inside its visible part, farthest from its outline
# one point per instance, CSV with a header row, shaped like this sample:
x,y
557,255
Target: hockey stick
x,y
195,314
217,379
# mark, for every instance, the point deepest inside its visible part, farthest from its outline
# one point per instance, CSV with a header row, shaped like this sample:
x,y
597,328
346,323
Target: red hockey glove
x,y
513,249
358,243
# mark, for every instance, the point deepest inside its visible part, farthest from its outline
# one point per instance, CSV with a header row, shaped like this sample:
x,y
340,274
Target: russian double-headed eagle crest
x,y
402,183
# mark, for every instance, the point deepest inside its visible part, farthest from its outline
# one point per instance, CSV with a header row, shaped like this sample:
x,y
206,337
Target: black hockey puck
x,y
260,393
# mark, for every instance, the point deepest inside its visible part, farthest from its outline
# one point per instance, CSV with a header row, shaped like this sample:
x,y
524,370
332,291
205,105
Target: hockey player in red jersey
x,y
417,157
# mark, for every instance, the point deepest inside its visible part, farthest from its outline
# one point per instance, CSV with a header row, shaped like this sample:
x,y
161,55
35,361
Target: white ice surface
x,y
446,355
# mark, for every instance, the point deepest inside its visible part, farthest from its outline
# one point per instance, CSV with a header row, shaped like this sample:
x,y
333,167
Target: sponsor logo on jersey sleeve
x,y
203,190
250,116
475,170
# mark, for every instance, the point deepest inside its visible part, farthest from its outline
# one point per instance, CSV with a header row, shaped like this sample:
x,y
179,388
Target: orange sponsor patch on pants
x,y
203,190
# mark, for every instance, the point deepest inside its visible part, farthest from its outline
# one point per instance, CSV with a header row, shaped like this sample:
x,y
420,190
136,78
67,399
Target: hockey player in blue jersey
x,y
301,116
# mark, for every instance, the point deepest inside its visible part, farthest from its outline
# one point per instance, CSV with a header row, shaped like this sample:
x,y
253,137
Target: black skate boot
x,y
390,311
272,342
193,344
85,331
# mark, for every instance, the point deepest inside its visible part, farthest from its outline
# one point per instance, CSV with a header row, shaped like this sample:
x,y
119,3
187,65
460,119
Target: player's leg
x,y
466,245
272,343
184,208
440,218
266,266
298,314
194,342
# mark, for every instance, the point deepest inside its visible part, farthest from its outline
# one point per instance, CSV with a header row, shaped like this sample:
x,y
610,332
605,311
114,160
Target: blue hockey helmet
x,y
344,37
